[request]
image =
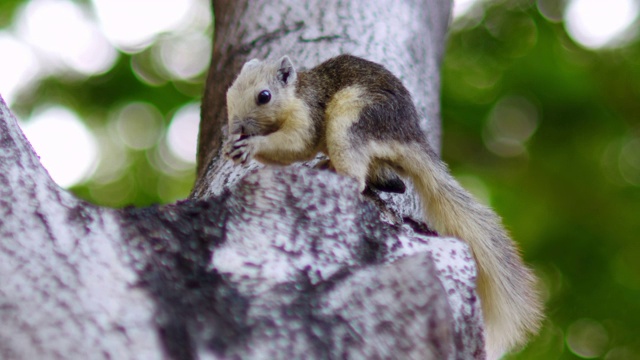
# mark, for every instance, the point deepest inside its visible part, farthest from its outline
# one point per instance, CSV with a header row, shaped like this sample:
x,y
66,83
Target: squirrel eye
x,y
264,97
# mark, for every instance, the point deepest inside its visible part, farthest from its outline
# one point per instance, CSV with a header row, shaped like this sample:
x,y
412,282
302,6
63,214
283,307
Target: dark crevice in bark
x,y
318,328
373,232
172,247
319,38
262,40
82,214
420,227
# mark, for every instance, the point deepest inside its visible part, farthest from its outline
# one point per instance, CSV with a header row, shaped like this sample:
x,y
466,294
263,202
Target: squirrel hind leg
x,y
353,164
348,159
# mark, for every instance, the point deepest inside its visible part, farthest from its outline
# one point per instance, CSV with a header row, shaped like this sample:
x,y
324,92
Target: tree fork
x,y
281,262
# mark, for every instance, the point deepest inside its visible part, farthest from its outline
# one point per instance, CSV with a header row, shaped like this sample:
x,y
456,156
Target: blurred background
x,y
541,117
108,92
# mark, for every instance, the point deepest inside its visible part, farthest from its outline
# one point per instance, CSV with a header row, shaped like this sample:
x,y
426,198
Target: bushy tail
x,y
511,306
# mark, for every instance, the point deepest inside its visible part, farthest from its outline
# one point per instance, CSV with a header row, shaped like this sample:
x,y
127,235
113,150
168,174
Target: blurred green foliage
x,y
545,131
7,9
93,99
572,197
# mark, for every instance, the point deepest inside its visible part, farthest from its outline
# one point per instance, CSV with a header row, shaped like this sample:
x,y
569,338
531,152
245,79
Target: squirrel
x,y
363,118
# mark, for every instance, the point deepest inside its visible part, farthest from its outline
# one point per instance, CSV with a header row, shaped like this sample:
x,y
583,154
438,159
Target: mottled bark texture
x,y
66,288
270,263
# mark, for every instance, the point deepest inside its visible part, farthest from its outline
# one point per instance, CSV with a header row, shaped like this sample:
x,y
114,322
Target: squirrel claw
x,y
239,150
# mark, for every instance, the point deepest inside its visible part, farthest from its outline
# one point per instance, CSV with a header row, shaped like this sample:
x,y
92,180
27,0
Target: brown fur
x,y
364,119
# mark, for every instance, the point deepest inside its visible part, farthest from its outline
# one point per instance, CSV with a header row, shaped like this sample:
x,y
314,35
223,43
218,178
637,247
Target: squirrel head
x,y
258,98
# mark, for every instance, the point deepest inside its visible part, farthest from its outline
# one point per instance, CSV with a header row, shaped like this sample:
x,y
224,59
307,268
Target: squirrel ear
x,y
286,71
249,64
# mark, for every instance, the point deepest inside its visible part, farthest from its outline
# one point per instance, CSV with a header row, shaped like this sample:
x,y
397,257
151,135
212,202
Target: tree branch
x,y
278,262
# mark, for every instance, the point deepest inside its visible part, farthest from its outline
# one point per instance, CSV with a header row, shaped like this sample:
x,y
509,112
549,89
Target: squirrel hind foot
x,y
391,185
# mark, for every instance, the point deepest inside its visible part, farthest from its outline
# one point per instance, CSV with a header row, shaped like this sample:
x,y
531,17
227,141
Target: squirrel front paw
x,y
241,149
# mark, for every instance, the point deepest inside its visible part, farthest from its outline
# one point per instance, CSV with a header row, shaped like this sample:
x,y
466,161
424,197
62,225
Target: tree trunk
x,y
405,36
275,263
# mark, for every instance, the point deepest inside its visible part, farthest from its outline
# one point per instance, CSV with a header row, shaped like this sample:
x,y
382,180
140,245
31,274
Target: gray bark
x,y
274,263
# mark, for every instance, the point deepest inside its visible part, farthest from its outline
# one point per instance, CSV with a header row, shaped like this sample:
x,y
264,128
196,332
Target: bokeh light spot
x,y
115,193
167,162
621,353
139,125
145,68
462,7
183,133
587,338
626,268
133,25
67,149
185,56
66,35
511,123
115,158
597,23
629,161
551,9
621,161
467,14
19,69
610,162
